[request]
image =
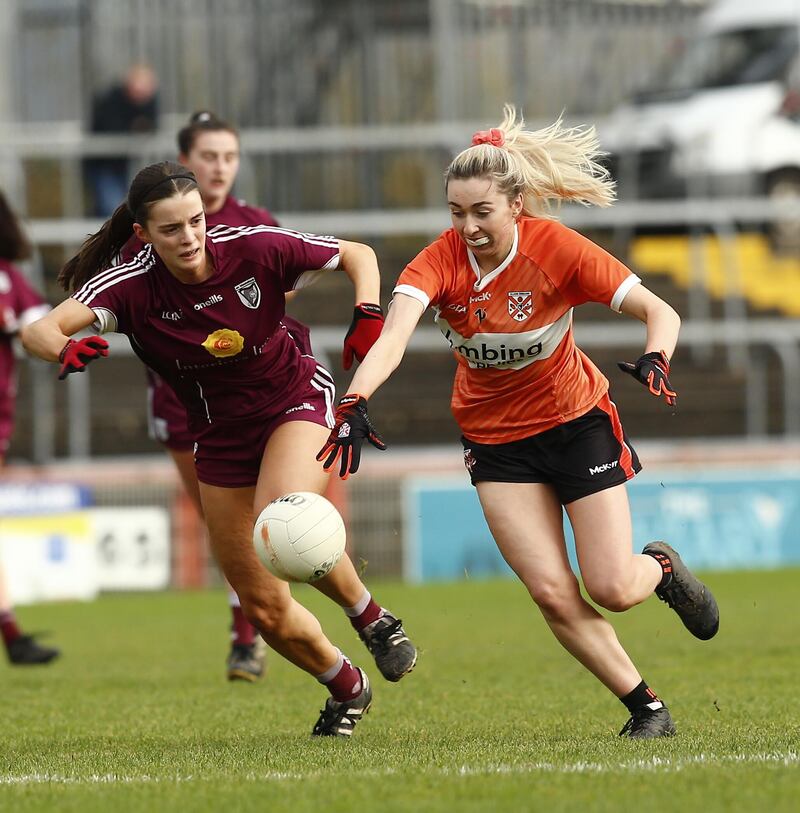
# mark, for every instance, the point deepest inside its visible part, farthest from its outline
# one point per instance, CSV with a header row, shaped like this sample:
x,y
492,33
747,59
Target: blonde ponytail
x,y
547,166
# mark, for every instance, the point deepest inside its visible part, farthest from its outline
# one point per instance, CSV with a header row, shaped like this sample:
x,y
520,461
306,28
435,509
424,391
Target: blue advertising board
x,y
720,520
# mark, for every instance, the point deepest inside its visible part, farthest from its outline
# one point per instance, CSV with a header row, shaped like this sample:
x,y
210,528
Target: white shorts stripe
x,y
321,381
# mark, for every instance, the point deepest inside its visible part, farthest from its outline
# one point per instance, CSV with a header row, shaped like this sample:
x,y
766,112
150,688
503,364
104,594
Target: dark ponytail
x,y
153,183
14,244
204,121
99,250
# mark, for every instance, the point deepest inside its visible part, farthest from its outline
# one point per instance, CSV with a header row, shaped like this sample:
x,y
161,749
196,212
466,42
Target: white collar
x,y
482,282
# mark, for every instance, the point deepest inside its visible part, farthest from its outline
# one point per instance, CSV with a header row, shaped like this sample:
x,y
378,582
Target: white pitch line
x,y
654,764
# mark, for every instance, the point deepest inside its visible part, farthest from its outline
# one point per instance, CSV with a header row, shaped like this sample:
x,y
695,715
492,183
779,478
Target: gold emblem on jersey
x,y
224,342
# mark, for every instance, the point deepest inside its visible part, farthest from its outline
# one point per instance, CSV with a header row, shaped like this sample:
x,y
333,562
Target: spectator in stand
x,y
19,305
128,107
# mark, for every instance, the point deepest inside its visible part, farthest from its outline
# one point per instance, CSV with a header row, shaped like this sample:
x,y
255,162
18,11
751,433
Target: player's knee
x,y
611,594
555,600
269,618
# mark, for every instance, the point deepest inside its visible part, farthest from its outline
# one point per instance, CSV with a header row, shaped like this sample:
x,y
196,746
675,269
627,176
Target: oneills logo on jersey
x,y
520,305
249,293
224,343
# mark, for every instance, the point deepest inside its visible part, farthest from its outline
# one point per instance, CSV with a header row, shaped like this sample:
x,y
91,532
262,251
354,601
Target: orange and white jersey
x,y
519,372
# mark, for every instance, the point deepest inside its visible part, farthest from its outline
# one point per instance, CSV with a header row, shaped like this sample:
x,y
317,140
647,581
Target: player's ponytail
x,y
153,183
99,250
547,166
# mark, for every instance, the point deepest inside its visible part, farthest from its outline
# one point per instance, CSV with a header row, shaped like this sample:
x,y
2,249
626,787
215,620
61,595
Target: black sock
x,y
666,566
641,696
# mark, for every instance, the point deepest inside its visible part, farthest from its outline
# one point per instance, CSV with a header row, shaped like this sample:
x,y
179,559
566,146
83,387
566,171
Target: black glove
x,y
652,370
351,428
76,355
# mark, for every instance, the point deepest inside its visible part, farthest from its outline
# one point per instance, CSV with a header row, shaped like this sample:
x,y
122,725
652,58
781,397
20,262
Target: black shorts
x,y
578,458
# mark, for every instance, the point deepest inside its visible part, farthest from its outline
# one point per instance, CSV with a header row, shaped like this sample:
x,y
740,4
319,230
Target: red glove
x,y
352,428
652,370
364,330
76,355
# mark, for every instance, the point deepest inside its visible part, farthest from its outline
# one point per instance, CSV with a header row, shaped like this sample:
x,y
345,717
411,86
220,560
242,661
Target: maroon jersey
x,y
220,344
236,212
20,305
166,417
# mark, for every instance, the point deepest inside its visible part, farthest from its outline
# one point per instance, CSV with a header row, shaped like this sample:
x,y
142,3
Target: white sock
x,y
329,674
359,606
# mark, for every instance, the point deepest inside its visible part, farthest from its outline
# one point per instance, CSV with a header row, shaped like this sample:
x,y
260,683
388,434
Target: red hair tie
x,y
495,137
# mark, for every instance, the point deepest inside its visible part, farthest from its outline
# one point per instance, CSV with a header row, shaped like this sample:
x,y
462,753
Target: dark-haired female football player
x,y
204,311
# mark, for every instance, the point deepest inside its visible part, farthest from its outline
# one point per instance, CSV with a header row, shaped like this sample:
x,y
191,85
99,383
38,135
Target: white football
x,y
299,537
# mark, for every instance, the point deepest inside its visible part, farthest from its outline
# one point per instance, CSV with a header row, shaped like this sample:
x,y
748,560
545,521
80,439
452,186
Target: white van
x,y
723,117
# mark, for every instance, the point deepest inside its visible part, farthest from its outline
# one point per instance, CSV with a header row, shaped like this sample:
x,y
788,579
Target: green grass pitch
x,y
496,717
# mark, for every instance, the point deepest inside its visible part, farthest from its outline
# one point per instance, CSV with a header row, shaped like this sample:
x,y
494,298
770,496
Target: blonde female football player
x,y
539,430
204,311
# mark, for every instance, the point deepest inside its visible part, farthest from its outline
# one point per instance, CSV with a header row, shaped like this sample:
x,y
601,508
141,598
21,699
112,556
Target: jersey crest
x,y
249,293
520,305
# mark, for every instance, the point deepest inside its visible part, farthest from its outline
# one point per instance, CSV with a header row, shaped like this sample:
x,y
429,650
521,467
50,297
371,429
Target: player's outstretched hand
x,y
352,427
77,354
652,370
363,332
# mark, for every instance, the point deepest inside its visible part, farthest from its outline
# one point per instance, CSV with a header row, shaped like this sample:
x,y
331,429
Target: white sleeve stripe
x,y
141,259
94,284
234,232
415,293
622,291
222,229
87,297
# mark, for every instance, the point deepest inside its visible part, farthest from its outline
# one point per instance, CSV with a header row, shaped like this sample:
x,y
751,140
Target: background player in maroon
x,y
20,304
204,311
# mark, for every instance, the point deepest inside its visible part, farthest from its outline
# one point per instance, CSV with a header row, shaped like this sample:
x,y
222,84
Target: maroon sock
x,y
8,627
244,633
346,683
372,612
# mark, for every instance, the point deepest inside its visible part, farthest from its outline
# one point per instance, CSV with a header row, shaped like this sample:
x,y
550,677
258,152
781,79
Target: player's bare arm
x,y
387,352
663,322
361,266
46,337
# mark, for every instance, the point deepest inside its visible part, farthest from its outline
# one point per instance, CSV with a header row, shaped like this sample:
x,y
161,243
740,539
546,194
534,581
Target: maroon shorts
x,y
166,417
228,453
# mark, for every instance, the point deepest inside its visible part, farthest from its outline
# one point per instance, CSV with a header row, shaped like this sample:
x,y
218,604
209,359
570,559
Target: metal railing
x,y
779,337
